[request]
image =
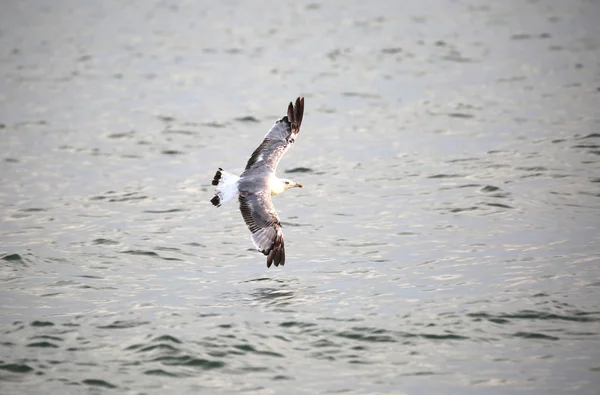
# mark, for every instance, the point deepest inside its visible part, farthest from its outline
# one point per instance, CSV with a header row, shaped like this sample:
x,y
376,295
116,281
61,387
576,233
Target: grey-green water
x,y
447,239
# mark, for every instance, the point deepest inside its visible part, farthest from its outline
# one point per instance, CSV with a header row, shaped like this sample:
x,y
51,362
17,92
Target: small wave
x,y
186,360
463,209
141,252
99,383
368,335
48,337
171,152
489,188
217,125
247,348
121,135
160,346
41,323
195,244
391,51
33,210
493,191
166,118
15,367
123,324
291,324
588,145
577,316
446,176
167,338
526,36
247,119
299,170
204,363
160,372
149,253
361,95
12,258
102,241
500,205
180,131
43,345
407,234
128,197
590,136
532,168
173,210
420,373
282,377
460,115
445,336
260,279
535,335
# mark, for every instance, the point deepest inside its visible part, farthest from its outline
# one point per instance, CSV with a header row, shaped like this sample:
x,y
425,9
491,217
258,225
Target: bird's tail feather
x,y
226,184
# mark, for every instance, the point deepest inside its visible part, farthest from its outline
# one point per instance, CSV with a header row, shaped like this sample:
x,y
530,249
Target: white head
x,y
283,184
290,184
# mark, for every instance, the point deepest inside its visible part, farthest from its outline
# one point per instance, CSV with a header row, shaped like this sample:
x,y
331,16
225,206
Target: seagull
x,y
255,186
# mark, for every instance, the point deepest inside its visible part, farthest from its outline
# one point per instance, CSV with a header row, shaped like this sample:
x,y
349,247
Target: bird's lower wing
x,y
262,220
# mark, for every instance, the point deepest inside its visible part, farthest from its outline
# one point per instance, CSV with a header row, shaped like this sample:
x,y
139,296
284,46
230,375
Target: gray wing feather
x,y
262,220
255,197
279,139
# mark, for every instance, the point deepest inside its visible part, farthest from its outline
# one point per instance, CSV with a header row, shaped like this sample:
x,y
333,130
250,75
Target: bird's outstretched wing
x,y
262,220
279,139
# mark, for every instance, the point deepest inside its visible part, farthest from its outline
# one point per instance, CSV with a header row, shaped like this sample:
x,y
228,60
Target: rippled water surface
x,y
446,241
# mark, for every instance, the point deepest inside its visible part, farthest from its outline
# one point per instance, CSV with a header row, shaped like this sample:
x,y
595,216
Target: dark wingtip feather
x,y
299,110
216,201
277,254
295,114
217,177
290,114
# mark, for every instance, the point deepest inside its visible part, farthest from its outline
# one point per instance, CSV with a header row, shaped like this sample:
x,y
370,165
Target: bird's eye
x,y
287,182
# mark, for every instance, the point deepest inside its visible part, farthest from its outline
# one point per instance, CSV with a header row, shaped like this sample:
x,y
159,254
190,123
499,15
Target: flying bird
x,y
255,186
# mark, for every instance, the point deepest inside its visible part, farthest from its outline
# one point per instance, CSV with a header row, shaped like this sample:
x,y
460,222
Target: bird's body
x,y
255,186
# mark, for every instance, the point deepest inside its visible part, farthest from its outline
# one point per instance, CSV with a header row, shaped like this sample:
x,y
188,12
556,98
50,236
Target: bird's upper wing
x,y
279,139
262,220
